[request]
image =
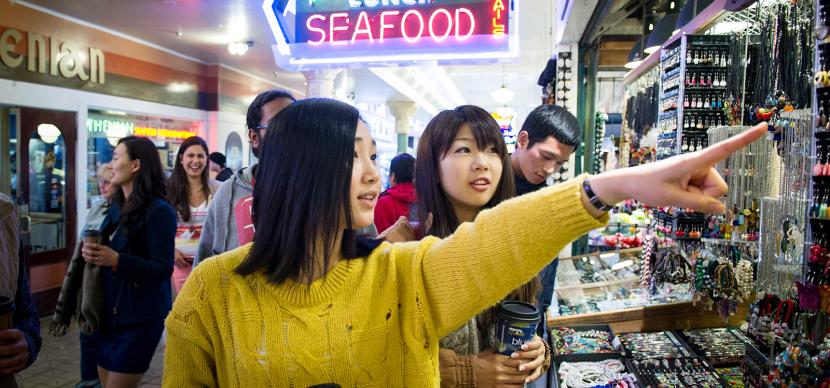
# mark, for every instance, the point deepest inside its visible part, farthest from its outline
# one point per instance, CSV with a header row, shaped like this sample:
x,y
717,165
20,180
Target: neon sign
x,y
162,132
340,33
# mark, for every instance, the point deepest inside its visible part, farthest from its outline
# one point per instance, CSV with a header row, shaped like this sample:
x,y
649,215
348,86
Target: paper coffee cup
x,y
515,325
6,313
91,236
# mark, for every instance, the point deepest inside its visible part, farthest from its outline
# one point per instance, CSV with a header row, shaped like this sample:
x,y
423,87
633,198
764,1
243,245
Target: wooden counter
x,y
672,316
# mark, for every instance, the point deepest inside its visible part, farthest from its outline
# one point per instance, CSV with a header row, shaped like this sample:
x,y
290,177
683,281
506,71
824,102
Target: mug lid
x,y
518,311
90,233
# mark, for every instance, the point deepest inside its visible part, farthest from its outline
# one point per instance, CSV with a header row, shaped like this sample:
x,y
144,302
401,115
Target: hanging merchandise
x,y
599,134
749,175
640,113
786,30
766,259
563,82
794,368
723,275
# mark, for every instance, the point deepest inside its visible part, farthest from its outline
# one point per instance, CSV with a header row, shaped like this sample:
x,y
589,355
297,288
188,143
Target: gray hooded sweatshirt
x,y
220,233
229,223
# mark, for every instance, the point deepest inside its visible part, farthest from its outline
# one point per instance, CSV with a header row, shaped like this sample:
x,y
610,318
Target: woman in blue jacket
x,y
137,260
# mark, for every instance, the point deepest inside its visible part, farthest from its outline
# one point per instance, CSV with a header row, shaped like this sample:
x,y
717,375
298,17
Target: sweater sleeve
x,y
188,358
456,370
505,247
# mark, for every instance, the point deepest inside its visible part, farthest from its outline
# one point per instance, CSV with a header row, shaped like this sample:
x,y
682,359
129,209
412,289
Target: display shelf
x,y
706,67
703,110
606,283
705,89
713,51
669,316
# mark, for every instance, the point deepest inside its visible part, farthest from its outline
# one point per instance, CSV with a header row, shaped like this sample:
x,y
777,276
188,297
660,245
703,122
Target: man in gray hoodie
x,y
228,223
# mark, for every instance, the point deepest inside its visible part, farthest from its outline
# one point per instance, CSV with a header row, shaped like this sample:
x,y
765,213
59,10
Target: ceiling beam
x,y
594,31
594,23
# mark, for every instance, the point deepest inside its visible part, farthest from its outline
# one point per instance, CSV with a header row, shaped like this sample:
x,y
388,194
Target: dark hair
x,y
302,189
552,120
218,158
148,182
254,115
434,144
403,166
178,186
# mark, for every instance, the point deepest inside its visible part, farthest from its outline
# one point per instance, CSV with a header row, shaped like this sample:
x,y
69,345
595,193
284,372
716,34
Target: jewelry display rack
x,y
693,84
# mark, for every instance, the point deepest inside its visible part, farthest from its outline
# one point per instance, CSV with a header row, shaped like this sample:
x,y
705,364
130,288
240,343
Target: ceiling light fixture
x,y
635,58
240,48
48,133
662,32
689,11
503,95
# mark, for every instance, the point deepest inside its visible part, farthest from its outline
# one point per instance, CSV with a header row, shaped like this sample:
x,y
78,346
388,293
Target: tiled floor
x,y
58,364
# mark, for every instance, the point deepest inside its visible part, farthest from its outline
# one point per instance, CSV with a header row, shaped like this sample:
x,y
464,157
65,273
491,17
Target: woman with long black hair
x,y
463,168
136,258
309,303
189,190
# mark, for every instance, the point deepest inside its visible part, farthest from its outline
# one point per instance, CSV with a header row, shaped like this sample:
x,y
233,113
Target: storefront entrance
x,y
38,146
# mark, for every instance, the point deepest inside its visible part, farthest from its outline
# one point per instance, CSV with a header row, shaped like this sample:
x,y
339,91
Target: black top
x,y
523,186
138,290
224,175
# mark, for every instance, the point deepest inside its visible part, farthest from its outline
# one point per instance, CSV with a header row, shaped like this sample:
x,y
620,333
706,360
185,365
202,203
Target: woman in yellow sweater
x,y
307,303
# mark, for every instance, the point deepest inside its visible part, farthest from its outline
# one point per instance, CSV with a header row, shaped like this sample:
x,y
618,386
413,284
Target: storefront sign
x,y
95,125
331,33
64,61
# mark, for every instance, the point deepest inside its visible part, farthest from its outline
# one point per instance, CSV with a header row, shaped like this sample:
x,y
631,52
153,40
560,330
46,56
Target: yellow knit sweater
x,y
371,321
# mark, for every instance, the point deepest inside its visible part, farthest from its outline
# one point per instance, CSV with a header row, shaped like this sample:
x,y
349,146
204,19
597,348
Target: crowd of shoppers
x,y
310,301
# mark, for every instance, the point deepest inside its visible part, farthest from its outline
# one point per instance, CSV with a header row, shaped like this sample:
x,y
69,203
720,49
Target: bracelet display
x,y
607,373
570,341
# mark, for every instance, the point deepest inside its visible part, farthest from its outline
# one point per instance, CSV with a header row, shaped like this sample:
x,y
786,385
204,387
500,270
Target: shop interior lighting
x,y
239,48
48,133
503,95
180,87
662,32
635,58
396,82
729,27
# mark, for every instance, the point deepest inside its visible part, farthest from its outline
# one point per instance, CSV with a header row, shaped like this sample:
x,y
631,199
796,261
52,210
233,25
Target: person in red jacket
x,y
395,202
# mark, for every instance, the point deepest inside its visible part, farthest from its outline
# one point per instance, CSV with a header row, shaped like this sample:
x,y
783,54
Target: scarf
x,y
9,245
82,295
83,284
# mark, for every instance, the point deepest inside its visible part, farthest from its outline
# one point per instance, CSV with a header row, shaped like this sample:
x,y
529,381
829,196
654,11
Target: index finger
x,y
721,150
